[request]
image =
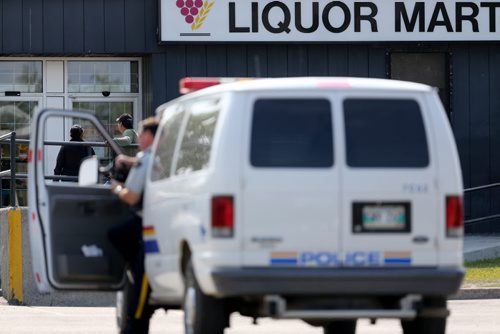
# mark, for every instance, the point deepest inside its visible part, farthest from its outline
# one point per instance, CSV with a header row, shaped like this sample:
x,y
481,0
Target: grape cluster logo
x,y
194,11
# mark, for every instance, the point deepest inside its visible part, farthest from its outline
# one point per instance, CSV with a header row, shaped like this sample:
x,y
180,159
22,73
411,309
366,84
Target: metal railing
x,y
11,140
484,218
12,174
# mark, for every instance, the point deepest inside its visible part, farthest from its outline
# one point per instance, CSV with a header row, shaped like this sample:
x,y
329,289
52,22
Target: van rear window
x,y
292,133
385,133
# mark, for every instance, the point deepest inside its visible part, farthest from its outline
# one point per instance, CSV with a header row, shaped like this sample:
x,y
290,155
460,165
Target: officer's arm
x,y
129,197
125,194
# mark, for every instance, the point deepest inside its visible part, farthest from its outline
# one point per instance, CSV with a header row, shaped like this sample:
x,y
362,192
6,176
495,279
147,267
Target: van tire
x,y
428,324
202,314
340,327
424,326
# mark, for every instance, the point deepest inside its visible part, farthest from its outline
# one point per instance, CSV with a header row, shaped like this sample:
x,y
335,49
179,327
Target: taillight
x,y
454,217
222,217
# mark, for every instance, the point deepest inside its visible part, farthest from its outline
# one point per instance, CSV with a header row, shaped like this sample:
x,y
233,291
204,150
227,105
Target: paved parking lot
x,y
467,317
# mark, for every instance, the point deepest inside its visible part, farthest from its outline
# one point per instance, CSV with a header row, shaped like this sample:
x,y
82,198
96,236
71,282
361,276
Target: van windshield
x,y
292,133
385,133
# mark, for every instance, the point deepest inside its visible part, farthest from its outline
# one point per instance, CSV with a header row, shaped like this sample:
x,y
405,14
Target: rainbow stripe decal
x,y
150,243
284,258
397,258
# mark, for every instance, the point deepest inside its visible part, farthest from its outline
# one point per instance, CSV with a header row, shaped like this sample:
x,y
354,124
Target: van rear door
x,y
389,202
290,181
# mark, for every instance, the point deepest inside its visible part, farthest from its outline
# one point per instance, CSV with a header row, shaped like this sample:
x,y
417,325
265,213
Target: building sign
x,y
328,21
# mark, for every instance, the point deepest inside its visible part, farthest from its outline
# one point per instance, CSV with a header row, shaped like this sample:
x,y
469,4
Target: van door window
x,y
166,143
67,142
292,133
194,153
385,133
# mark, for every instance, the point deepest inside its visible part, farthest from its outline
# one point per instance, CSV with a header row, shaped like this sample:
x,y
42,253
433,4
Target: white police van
x,y
322,199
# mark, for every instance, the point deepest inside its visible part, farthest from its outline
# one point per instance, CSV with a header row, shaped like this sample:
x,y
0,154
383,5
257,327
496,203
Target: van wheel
x,y
424,326
202,314
428,324
340,327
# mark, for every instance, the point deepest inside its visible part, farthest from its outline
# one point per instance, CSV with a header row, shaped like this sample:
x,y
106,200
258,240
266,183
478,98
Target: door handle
x,y
420,239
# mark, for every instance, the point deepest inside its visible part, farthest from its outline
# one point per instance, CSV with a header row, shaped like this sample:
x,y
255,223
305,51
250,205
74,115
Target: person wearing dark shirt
x,y
70,157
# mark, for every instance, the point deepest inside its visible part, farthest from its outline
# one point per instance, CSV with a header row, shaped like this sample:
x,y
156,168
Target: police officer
x,y
127,236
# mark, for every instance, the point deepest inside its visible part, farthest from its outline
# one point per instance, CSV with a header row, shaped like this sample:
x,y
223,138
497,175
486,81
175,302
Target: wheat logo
x,y
195,12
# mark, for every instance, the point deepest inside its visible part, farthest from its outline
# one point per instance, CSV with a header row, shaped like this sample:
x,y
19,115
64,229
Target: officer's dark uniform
x,y
127,238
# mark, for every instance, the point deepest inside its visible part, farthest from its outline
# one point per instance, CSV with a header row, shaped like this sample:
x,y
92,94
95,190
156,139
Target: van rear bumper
x,y
336,281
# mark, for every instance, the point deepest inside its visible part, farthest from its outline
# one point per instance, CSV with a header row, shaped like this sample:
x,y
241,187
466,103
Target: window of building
x,y
292,133
21,85
21,76
16,116
103,76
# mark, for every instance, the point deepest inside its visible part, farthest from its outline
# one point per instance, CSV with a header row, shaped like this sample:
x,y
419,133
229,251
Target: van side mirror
x,y
89,171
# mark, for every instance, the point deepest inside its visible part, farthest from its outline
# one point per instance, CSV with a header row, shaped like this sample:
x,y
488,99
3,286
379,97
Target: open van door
x,y
70,220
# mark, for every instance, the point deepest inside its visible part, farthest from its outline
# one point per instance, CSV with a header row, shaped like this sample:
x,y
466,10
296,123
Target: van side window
x,y
292,133
385,133
194,153
166,144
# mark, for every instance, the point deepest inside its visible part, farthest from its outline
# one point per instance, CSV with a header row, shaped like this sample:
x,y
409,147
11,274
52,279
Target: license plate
x,y
384,217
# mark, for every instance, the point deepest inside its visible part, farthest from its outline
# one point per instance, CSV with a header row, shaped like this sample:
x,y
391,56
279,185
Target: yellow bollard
x,y
15,256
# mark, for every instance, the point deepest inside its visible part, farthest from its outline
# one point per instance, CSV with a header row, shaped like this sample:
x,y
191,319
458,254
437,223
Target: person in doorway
x,y
125,124
69,158
127,236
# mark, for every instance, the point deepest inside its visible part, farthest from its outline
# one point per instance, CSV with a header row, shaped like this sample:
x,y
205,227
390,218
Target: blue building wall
x,y
129,28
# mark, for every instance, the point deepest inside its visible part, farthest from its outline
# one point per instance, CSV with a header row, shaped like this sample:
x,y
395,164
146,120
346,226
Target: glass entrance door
x,y
105,86
107,111
108,89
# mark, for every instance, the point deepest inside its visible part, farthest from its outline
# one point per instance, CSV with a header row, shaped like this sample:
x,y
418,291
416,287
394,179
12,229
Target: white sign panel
x,y
328,21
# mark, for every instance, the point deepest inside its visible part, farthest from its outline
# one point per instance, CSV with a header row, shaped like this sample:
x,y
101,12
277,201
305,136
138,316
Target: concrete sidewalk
x,y
480,247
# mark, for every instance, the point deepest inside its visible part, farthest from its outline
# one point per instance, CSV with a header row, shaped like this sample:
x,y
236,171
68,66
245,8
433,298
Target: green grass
x,y
482,274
